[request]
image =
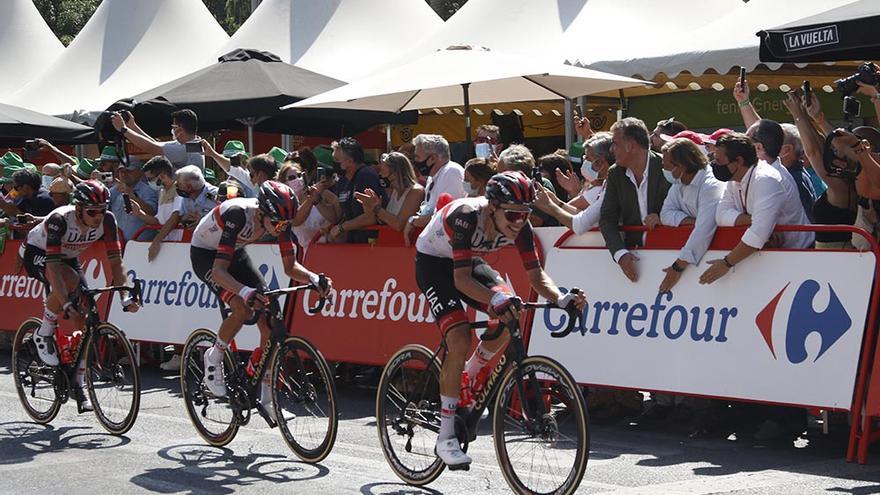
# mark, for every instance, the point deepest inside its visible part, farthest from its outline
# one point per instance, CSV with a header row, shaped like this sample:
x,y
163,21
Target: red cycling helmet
x,y
510,187
277,201
91,193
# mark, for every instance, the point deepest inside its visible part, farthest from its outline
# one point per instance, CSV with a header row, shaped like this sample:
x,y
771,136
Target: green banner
x,y
711,109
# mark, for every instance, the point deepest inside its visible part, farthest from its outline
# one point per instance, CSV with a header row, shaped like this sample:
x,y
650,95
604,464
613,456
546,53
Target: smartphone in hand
x,y
126,203
808,93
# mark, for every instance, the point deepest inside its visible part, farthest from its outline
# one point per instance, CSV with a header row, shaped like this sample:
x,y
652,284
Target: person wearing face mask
x,y
356,177
756,196
692,200
184,148
634,191
159,176
487,144
477,172
30,197
130,181
404,193
318,208
199,197
431,159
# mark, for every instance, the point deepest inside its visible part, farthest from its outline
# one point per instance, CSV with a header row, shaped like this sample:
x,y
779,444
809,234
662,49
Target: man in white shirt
x,y
634,192
692,200
184,149
431,159
755,195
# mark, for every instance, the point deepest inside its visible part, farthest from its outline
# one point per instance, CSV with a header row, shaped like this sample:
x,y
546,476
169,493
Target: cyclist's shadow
x,y
206,469
403,489
21,442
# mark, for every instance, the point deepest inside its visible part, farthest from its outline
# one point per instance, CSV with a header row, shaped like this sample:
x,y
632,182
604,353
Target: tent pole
x,y
388,138
467,120
569,123
250,126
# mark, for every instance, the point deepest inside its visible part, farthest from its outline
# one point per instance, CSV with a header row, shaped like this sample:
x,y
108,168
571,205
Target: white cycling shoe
x,y
214,380
46,349
449,451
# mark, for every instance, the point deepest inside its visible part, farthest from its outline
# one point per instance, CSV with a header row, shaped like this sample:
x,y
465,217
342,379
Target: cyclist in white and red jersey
x,y
449,270
51,255
219,260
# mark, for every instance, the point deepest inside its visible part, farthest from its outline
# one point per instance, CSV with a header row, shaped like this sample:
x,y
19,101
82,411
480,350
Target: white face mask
x,y
298,185
483,150
587,171
671,178
469,190
47,181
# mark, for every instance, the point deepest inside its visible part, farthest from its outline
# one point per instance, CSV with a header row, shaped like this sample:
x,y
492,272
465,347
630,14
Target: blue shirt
x,y
202,204
129,224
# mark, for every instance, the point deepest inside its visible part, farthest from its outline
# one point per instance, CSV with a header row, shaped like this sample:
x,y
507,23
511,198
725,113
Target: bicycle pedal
x,y
459,467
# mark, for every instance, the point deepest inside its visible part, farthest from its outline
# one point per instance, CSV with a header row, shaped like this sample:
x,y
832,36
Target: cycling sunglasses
x,y
94,212
280,225
515,216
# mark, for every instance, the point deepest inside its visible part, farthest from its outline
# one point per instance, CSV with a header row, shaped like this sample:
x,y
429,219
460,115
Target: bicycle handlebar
x,y
574,315
280,292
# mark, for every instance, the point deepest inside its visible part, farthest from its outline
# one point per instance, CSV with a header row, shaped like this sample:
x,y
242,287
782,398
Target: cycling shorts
x,y
34,260
436,280
240,268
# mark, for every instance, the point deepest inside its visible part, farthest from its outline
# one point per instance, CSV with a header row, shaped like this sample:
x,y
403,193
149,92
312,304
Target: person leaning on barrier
x,y
357,177
634,192
199,197
185,147
477,172
431,160
130,181
318,208
838,203
31,196
404,193
756,196
692,200
159,176
581,214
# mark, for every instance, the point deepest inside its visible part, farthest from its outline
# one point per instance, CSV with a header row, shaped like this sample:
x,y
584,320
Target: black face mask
x,y
721,172
423,167
384,182
183,194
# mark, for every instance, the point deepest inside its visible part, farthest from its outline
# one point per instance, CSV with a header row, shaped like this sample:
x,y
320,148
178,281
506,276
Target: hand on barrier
x,y
628,265
652,221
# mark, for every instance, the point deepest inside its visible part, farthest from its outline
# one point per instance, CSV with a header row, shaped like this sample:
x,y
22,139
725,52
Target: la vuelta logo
x,y
803,320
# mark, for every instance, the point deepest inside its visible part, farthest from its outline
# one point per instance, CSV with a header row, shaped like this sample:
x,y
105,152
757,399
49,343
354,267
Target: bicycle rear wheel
x,y
34,380
304,398
408,414
214,418
113,378
541,429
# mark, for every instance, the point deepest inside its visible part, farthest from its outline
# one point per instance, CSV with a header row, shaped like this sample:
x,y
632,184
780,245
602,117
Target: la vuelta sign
x,y
375,306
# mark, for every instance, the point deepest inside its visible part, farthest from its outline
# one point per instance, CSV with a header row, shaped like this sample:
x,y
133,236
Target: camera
x,y
866,73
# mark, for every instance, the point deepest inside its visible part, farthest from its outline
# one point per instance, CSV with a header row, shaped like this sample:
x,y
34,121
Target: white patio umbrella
x,y
464,75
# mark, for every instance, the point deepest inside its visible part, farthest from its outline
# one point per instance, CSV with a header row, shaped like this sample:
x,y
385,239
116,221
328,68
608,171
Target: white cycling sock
x,y
447,417
480,358
216,354
49,324
266,391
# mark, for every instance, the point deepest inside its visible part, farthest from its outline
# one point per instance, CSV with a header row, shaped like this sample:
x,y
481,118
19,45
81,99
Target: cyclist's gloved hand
x,y
251,296
321,282
569,298
503,302
129,305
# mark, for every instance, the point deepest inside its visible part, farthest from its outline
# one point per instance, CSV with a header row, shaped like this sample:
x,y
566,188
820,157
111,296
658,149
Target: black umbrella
x,y
848,32
246,88
20,124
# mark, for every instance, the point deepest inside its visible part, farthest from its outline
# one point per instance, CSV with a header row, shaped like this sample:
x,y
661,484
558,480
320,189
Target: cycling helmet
x,y
277,201
510,187
91,193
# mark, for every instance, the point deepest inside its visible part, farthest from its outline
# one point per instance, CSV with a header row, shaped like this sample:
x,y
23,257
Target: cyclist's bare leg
x,y
44,339
484,353
231,325
458,343
265,387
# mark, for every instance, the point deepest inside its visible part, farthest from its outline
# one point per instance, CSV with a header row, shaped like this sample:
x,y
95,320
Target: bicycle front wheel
x,y
304,399
408,414
214,418
34,380
113,378
541,429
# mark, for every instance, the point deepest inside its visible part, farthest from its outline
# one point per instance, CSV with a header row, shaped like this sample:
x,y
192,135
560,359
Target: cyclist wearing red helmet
x,y
449,270
51,255
219,260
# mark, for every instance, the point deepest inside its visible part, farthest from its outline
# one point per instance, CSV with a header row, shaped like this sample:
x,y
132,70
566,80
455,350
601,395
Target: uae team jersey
x,y
232,225
456,232
61,236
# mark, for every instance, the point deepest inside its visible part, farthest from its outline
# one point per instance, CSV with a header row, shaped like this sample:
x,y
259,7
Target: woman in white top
x,y
405,195
318,207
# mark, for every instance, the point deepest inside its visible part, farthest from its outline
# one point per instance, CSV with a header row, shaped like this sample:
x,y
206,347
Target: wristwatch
x,y
675,267
724,259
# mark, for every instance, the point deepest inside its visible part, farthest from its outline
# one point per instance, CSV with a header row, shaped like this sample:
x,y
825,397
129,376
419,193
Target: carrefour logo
x,y
803,321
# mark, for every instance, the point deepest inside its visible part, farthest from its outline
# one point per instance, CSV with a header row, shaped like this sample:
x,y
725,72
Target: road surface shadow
x,y
21,442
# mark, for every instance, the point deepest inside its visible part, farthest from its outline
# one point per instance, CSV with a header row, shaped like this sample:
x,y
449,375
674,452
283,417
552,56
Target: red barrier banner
x,y
21,297
376,306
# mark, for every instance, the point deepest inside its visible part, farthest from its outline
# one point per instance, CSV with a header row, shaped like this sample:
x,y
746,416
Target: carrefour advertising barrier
x,y
176,302
21,297
782,326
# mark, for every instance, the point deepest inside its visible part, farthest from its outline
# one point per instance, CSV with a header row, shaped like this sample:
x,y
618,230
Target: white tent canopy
x,y
28,45
343,39
718,42
126,48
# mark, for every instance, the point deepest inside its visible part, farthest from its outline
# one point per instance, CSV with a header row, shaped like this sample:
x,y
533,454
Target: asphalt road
x,y
163,454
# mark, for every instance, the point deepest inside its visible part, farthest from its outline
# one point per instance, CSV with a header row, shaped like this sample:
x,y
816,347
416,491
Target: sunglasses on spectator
x,y
94,212
515,216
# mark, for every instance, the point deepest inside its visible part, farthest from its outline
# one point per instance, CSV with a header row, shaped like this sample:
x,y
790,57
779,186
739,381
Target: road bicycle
x,y
112,378
303,388
540,423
